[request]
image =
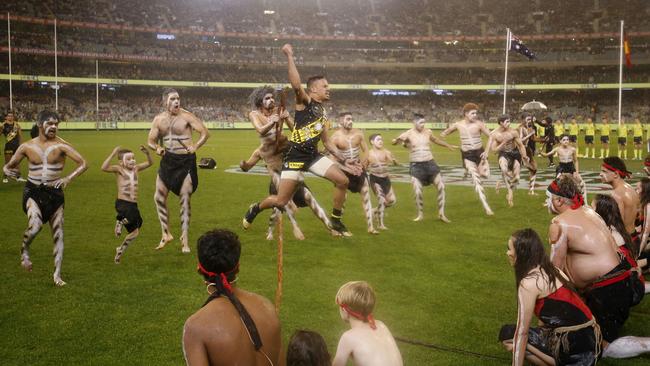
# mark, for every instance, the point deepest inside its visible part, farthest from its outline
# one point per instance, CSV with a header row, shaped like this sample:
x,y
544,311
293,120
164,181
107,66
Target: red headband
x,y
646,163
224,278
577,199
354,314
622,174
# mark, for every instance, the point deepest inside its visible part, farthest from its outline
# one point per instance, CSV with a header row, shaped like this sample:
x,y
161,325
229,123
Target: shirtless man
x,y
126,205
352,146
471,147
43,194
177,171
527,135
583,247
511,153
423,169
268,121
378,160
302,155
613,172
568,157
13,135
234,327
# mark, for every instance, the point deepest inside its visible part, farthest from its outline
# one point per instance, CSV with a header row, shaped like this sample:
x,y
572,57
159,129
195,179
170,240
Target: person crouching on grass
x,y
369,341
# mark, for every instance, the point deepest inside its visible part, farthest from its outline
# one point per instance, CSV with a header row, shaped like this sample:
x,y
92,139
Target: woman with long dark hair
x,y
643,189
568,334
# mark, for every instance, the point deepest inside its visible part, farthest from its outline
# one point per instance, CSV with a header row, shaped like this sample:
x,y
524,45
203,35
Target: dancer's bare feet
x,y
444,218
164,240
419,218
59,282
297,233
27,264
118,255
185,247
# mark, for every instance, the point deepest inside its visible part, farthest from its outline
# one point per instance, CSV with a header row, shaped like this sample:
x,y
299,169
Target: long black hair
x,y
607,208
218,252
645,191
529,252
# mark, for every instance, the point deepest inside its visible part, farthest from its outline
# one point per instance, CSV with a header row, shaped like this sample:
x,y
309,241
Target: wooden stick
x,y
278,289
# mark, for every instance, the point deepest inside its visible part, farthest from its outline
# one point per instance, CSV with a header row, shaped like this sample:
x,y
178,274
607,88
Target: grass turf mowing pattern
x,y
445,284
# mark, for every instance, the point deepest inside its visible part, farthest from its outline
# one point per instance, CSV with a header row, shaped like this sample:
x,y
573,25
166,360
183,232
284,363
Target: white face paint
x,y
346,121
50,128
506,123
564,141
377,142
128,161
173,103
549,204
472,115
419,124
268,102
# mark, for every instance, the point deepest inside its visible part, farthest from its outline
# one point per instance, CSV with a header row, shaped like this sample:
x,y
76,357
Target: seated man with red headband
x,y
368,342
582,246
234,327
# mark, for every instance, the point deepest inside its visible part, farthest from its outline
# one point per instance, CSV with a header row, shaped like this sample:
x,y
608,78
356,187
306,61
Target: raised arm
x,y
526,297
294,77
11,169
81,167
106,165
198,126
146,164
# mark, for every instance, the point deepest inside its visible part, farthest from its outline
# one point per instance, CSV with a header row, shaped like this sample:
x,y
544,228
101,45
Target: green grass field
x,y
445,284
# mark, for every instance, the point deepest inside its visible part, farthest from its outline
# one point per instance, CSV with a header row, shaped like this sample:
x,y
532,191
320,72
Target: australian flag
x,y
518,46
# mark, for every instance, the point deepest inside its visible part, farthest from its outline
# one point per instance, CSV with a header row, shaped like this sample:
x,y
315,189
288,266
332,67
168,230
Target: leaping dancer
x,y
471,147
268,121
43,194
302,155
177,171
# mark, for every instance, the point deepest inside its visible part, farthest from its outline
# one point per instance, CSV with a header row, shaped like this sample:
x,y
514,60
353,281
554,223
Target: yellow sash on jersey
x,y
311,131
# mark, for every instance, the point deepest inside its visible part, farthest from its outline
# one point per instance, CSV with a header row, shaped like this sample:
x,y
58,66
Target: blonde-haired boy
x,y
369,341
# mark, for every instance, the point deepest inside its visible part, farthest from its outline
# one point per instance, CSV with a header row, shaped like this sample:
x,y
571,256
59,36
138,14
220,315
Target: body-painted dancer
x,y
528,136
177,172
378,160
43,194
423,169
568,162
351,143
511,154
302,155
474,156
126,204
